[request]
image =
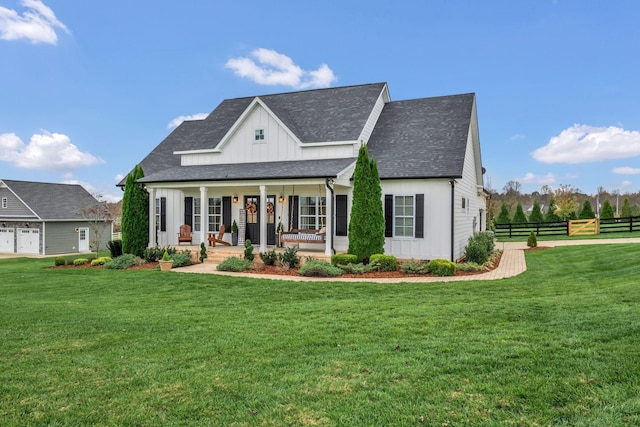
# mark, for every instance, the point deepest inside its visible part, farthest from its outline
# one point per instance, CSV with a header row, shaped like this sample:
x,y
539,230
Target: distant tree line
x,y
560,204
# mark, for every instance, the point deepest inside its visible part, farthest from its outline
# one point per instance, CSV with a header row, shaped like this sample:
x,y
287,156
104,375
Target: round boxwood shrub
x,y
60,261
343,259
80,261
442,267
381,262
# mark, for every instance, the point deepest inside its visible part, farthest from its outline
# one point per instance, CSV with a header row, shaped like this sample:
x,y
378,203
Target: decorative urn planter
x,y
165,265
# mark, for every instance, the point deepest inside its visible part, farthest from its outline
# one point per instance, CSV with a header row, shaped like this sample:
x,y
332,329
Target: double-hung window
x,y
196,214
214,216
157,214
313,212
4,203
404,216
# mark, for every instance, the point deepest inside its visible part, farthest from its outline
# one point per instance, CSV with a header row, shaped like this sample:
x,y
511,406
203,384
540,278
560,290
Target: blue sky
x,y
89,88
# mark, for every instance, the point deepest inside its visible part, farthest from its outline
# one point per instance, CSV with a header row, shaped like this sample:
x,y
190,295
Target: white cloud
x,y
584,143
517,137
50,151
36,24
625,184
178,120
273,68
531,178
626,170
119,177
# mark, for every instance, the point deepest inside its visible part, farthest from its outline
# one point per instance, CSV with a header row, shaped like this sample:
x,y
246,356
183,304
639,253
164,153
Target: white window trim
x,y
413,216
197,216
319,219
5,203
157,214
259,136
211,216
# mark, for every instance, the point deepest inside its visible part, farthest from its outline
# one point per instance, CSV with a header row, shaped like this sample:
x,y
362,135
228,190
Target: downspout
x,y
332,209
453,204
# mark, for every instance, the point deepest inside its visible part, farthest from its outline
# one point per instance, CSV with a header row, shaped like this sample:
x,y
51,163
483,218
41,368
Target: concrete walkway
x,y
512,263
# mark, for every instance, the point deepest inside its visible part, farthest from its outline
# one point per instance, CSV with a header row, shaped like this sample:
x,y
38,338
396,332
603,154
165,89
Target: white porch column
x,y
152,217
263,218
328,237
204,214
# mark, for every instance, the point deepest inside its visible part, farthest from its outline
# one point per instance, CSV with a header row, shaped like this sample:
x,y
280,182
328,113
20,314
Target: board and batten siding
x,y
62,237
15,208
278,145
371,121
437,219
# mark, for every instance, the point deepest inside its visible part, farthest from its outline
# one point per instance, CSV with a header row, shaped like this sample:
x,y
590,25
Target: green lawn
x,y
557,345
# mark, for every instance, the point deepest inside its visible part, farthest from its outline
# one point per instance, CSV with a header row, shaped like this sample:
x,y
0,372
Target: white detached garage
x,y
44,218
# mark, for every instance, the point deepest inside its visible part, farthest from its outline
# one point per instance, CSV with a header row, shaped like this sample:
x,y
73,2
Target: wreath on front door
x,y
251,207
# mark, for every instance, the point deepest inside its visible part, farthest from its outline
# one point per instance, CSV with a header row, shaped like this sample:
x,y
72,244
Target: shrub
x,y
115,247
442,267
156,253
182,259
414,267
343,259
317,268
234,264
248,250
353,268
479,247
80,261
269,257
100,261
60,261
470,266
290,257
381,262
122,262
532,241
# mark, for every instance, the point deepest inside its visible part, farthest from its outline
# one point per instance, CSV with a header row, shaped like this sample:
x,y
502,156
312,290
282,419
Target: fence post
x,y
510,229
567,222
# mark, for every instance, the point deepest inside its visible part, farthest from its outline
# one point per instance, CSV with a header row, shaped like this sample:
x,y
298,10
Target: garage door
x,y
28,241
6,240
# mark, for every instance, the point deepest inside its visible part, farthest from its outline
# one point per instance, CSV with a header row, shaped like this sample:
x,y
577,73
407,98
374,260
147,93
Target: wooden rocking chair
x,y
213,239
185,234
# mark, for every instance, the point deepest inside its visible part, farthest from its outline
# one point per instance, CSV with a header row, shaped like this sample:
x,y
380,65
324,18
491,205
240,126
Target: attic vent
x,y
259,135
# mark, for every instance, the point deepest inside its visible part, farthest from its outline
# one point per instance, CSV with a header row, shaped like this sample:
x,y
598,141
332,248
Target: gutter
x,y
453,187
326,182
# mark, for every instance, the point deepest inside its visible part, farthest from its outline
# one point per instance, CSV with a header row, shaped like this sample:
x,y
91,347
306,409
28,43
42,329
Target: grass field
x,y
557,345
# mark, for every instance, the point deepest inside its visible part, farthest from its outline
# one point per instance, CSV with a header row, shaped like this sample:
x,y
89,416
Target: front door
x,y
83,240
271,220
252,211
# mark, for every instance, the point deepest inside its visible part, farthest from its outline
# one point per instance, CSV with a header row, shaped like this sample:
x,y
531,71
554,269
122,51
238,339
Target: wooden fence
x,y
601,226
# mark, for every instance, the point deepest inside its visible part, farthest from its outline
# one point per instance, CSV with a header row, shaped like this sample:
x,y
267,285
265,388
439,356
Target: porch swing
x,y
295,235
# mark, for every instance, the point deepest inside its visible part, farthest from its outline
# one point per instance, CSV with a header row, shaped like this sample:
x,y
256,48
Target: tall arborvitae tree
x,y
586,212
519,216
135,215
503,216
536,213
366,224
551,215
607,210
626,212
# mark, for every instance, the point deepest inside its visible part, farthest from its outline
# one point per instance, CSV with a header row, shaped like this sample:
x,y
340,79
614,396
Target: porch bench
x,y
303,236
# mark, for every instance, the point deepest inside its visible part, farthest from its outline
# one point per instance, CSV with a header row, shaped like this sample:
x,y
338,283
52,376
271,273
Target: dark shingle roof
x,y
326,168
320,115
422,138
52,201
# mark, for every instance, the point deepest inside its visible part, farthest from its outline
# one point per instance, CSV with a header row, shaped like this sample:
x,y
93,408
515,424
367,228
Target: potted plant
x,y
203,252
166,263
234,233
279,231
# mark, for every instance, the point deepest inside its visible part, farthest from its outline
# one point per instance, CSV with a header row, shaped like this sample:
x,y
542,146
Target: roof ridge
x,y
308,90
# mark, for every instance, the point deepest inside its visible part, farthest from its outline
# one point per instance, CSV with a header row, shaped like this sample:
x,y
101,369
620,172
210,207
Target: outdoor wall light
x,y
281,198
4,225
26,225
235,197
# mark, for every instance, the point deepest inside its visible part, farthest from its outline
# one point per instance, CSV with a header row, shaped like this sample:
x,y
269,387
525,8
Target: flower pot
x,y
234,239
165,265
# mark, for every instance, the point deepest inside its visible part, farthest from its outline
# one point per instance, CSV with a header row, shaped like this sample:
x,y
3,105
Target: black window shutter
x,y
388,215
341,215
420,216
226,213
293,212
188,211
163,214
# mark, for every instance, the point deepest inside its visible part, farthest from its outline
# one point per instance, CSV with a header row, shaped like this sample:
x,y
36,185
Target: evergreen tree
x,y
366,225
607,210
536,213
519,216
135,215
586,212
503,216
551,215
625,212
